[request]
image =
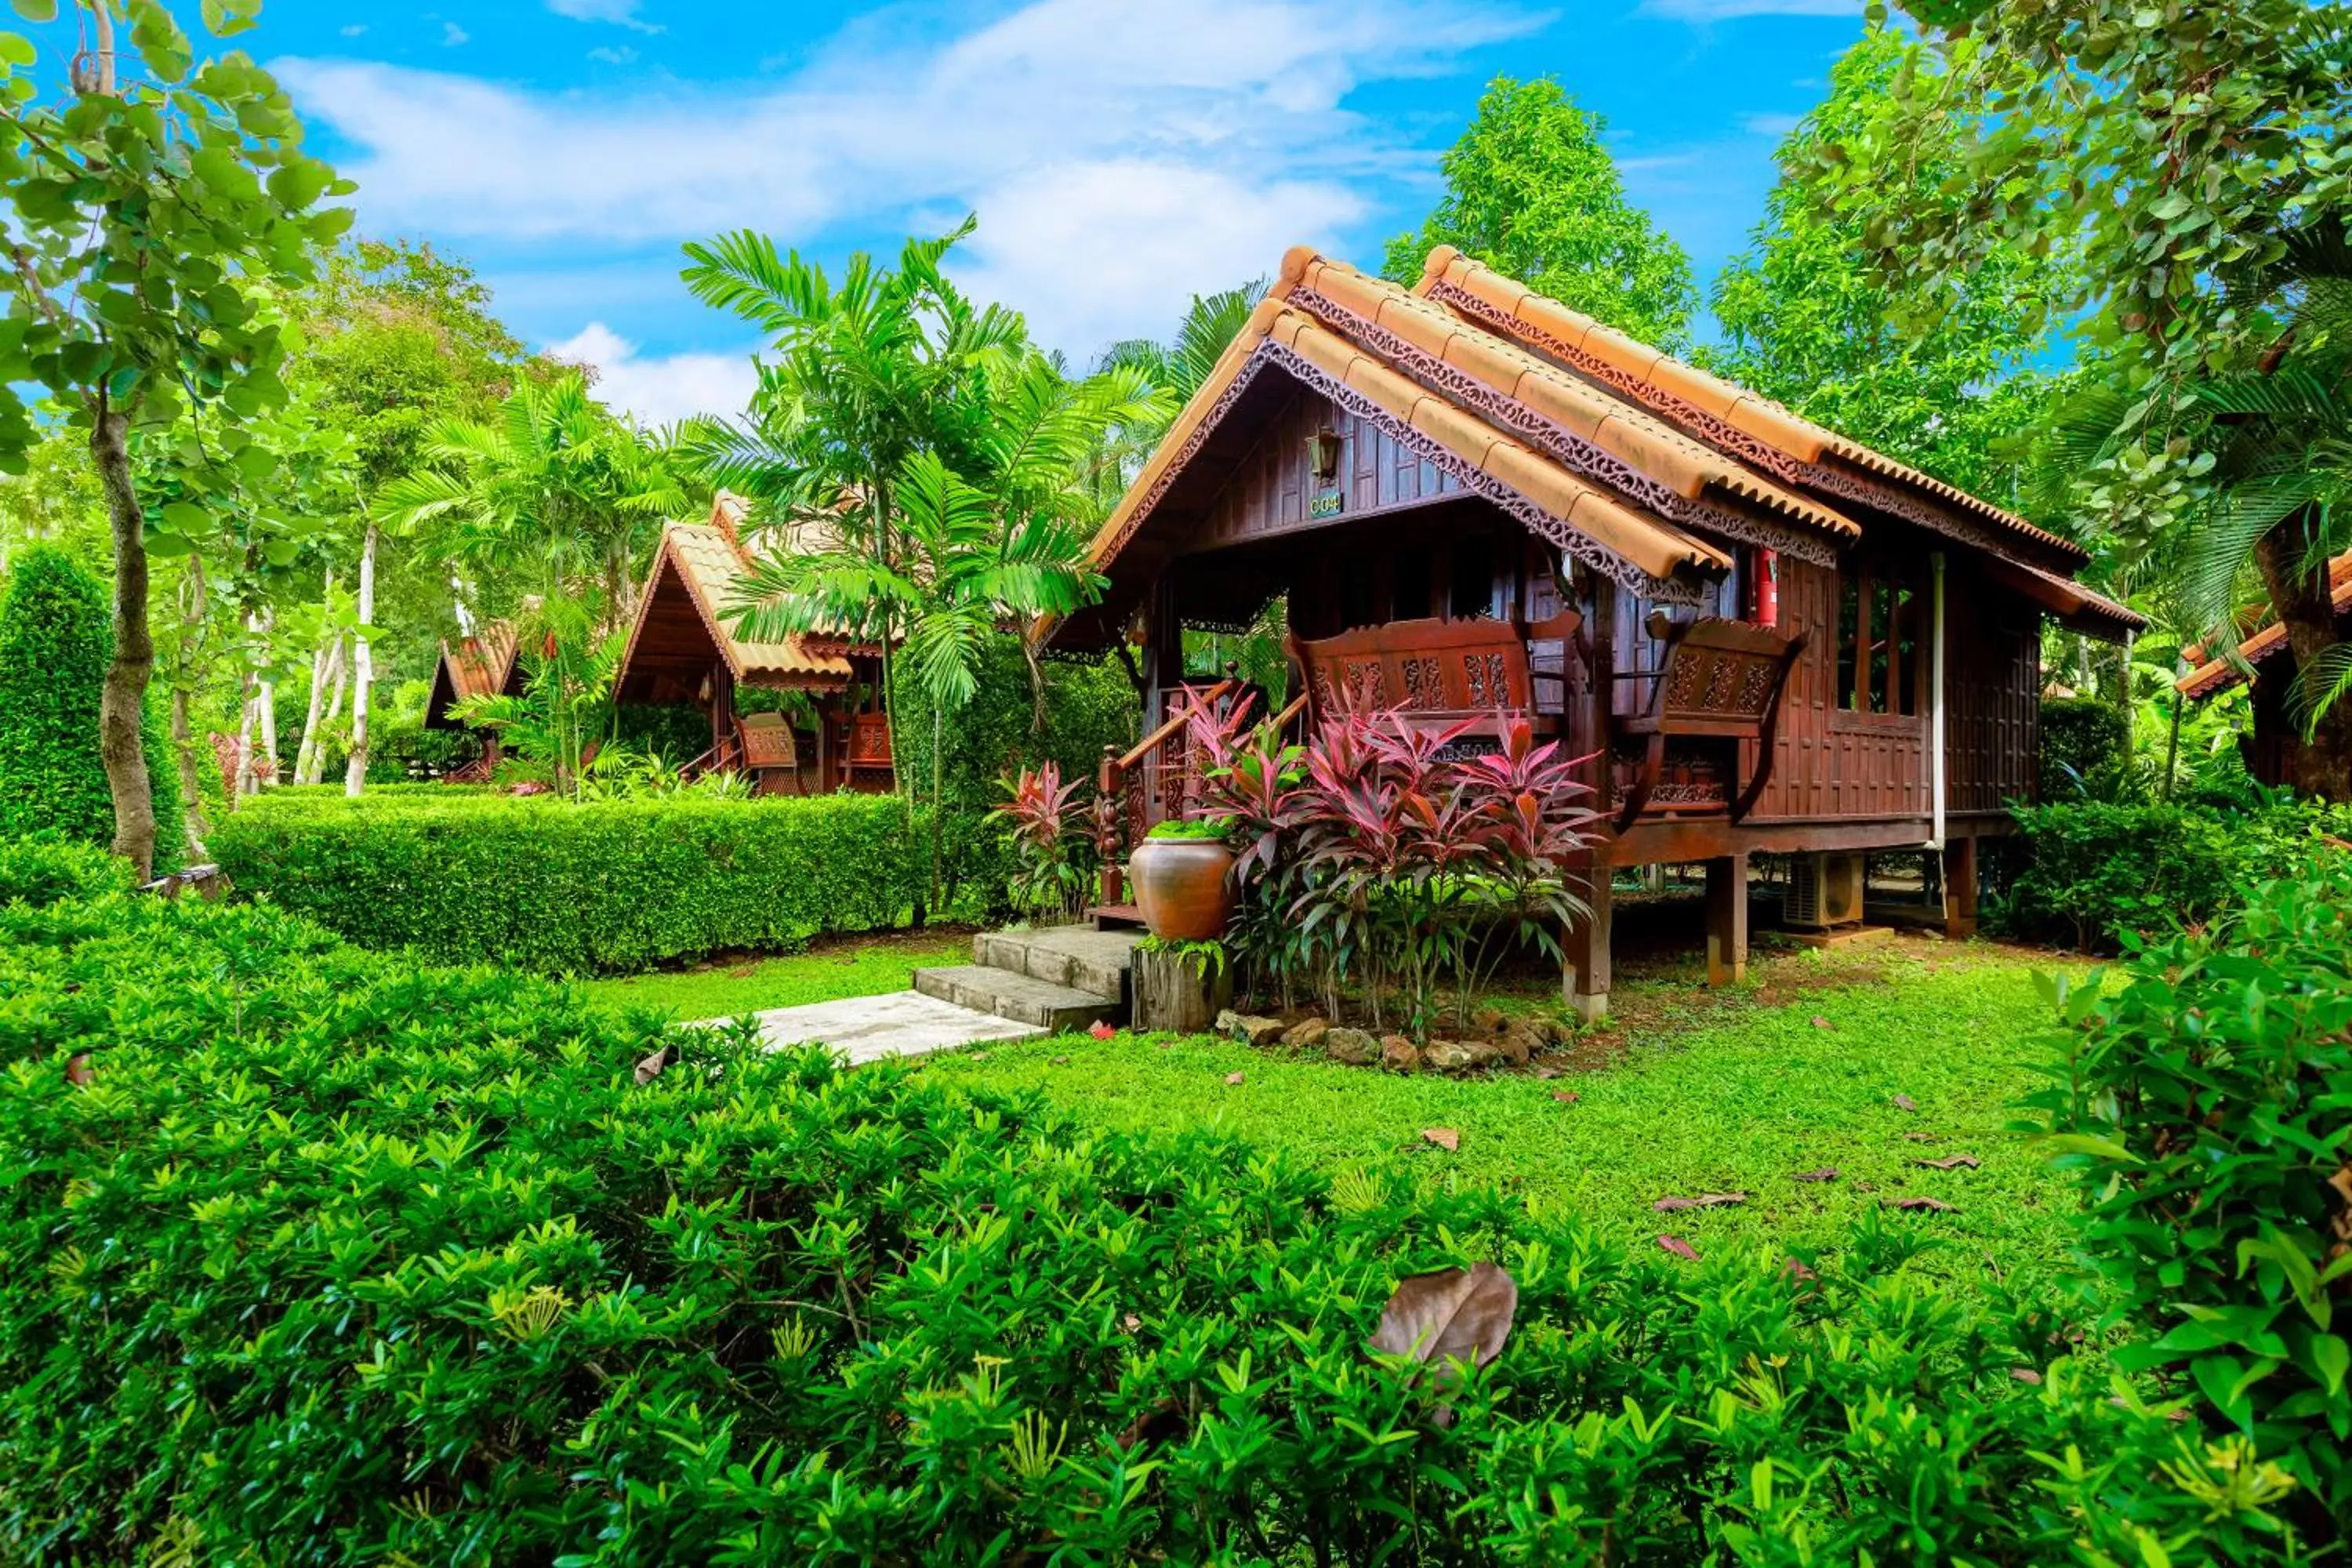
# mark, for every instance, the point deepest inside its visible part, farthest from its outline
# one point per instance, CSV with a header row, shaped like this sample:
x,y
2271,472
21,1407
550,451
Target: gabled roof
x,y
1644,469
2218,674
701,565
482,665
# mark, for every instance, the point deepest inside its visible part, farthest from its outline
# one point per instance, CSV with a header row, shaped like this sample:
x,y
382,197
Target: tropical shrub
x,y
551,885
1050,843
412,753
324,1259
1371,853
55,642
48,868
2086,749
2205,1097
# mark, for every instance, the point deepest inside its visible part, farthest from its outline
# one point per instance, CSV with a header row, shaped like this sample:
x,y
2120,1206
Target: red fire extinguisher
x,y
1765,596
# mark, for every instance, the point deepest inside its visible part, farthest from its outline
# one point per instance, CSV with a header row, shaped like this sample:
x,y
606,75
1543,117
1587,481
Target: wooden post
x,y
1727,920
1175,992
1585,978
1959,887
827,764
1110,805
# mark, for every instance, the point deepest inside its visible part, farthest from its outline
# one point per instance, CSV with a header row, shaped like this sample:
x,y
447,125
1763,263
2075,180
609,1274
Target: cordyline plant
x,y
1048,834
1376,852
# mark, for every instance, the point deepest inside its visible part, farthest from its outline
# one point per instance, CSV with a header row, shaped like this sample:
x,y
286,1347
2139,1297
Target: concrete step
x,y
1025,998
1074,956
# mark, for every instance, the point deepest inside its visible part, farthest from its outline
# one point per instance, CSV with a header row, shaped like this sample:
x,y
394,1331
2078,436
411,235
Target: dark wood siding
x,y
1272,484
1833,763
1992,673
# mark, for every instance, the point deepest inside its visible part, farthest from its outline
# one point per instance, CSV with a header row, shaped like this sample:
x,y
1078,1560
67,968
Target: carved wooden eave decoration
x,y
1647,472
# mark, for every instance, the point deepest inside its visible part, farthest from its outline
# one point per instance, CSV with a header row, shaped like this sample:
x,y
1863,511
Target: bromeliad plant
x,y
1049,832
1376,852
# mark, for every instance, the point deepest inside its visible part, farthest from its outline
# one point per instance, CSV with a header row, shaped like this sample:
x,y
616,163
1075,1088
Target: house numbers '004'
x,y
1324,504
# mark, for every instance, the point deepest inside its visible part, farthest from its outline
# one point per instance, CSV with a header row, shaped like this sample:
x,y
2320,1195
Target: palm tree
x,y
1177,368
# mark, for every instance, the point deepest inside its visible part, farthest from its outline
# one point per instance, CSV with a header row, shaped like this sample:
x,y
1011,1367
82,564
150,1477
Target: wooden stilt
x,y
1585,979
1959,887
1727,920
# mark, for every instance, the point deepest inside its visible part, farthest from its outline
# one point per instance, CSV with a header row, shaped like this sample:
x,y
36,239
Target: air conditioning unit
x,y
1824,890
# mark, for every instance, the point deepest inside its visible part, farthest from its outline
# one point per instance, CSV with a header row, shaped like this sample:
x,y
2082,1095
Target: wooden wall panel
x,y
1993,678
1833,763
1272,486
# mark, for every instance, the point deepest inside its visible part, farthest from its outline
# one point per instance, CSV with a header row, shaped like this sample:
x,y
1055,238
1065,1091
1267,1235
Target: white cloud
x,y
659,391
1771,126
1703,13
623,56
619,12
1119,156
453,34
354,29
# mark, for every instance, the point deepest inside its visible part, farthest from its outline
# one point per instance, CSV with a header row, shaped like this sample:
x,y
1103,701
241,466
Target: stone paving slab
x,y
899,1024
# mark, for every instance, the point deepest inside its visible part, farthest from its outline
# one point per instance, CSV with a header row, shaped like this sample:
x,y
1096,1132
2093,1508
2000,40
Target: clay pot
x,y
1180,885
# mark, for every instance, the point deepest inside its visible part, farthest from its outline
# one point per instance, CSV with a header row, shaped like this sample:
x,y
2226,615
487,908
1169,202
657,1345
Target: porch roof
x,y
477,666
2218,674
1628,459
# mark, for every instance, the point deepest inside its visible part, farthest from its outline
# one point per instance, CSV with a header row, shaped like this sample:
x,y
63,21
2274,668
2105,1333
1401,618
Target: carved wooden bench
x,y
1718,679
768,747
869,741
1435,670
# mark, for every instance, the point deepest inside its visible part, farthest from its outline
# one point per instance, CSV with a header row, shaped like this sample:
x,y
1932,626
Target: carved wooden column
x,y
1727,920
1110,799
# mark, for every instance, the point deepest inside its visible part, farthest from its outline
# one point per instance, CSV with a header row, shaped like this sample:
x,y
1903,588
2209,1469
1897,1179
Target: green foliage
x,y
54,650
1192,828
2086,748
411,753
1088,706
475,1276
550,885
1924,368
1531,190
2203,1098
45,869
2103,873
678,730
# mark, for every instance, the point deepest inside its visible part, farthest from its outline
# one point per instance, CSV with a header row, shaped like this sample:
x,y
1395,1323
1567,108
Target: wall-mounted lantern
x,y
1323,455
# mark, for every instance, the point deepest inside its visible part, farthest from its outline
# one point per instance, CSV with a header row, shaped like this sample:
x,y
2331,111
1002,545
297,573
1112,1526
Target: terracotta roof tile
x,y
479,665
2218,675
708,559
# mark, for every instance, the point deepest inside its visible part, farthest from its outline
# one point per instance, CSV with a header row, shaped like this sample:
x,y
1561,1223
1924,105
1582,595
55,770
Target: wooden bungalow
x,y
481,664
2266,665
1765,637
683,649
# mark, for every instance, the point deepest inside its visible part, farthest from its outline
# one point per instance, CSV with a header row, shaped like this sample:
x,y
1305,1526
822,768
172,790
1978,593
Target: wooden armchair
x,y
1718,679
1440,671
869,741
770,754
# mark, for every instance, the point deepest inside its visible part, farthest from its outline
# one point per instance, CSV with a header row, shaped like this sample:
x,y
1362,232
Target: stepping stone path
x,y
1020,983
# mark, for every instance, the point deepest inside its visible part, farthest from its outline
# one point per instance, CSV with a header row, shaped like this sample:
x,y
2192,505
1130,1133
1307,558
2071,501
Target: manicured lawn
x,y
1704,1094
849,966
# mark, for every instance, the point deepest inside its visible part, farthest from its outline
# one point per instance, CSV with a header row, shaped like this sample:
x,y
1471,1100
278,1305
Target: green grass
x,y
864,966
1707,1098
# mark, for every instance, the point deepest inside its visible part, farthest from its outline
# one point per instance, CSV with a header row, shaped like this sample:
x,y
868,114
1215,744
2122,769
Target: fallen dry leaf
x,y
1826,1173
1565,1096
1923,1137
1951,1162
1792,1268
1455,1318
1233,1078
1101,1030
1703,1201
743,973
1057,1061
980,1056
1822,1023
1904,1102
650,1067
1547,1072
2026,1374
1936,1204
1445,1138
79,1072
1679,1248
1131,1322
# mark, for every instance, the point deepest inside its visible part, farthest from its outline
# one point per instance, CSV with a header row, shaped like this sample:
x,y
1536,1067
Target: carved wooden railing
x,y
725,756
1159,771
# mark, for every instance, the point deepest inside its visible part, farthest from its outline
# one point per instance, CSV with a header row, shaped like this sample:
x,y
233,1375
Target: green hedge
x,y
548,885
56,643
328,1261
2207,1099
2086,748
44,869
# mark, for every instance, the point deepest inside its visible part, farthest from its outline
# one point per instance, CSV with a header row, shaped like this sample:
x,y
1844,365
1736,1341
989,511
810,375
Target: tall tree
x,y
2176,152
1175,370
1933,370
1531,190
150,218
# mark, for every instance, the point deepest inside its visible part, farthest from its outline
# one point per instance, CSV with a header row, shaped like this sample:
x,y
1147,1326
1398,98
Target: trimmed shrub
x,y
55,642
42,870
554,886
2205,1097
2086,748
411,753
330,1262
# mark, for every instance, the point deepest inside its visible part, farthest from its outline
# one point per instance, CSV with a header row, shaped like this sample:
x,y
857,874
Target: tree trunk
x,y
265,709
125,696
2320,765
311,717
195,604
364,675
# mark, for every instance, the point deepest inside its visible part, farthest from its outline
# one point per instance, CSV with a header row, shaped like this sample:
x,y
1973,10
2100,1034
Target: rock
x,y
1399,1054
1251,1029
1489,1021
1352,1046
1455,1056
1559,1033
1225,1022
1519,1042
1306,1032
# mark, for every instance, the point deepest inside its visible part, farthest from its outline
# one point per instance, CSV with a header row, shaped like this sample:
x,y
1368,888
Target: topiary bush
x,y
56,643
554,885
46,868
318,1259
2204,1095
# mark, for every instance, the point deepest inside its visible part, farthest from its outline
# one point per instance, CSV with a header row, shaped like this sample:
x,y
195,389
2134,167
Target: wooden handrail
x,y
1297,706
1167,730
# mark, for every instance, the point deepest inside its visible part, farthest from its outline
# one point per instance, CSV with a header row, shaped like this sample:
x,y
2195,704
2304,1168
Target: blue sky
x,y
1120,156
